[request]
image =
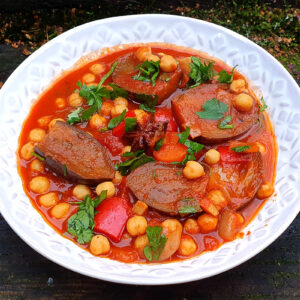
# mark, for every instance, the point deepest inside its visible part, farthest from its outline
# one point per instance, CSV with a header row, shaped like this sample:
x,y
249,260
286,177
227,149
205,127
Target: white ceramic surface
x,y
263,71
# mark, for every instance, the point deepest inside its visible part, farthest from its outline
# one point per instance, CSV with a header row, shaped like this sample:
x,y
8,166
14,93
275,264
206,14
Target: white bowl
x,y
266,75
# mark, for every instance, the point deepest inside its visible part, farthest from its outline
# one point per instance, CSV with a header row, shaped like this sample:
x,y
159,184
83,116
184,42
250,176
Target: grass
x,y
274,28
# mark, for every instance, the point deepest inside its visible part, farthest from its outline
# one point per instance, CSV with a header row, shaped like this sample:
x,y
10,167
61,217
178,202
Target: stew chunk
x,y
163,187
75,155
186,104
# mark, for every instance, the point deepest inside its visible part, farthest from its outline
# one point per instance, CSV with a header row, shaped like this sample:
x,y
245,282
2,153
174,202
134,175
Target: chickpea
x,y
52,123
117,110
27,150
99,245
265,190
207,223
49,199
39,184
60,103
97,121
37,134
88,78
44,121
153,58
187,245
168,64
140,243
237,85
97,69
121,101
37,166
75,99
218,199
60,210
261,147
212,156
191,226
117,178
106,108
243,102
171,225
126,149
193,170
143,53
80,191
108,186
141,116
136,225
139,208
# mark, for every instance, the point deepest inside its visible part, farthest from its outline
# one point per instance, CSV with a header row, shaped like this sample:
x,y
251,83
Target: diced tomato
x,y
119,130
112,215
165,114
171,149
123,189
113,143
232,157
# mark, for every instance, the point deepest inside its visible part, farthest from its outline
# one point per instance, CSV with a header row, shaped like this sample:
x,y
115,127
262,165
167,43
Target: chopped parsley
x,y
240,148
130,124
157,242
138,159
264,106
200,72
148,102
82,223
74,116
224,124
213,109
158,144
116,120
38,156
148,71
187,210
224,77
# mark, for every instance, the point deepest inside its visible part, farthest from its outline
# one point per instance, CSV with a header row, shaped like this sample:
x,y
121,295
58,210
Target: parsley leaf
x,y
139,159
240,149
38,156
187,210
116,120
200,72
148,71
148,102
224,77
82,223
213,109
157,242
264,106
223,124
130,124
158,144
74,116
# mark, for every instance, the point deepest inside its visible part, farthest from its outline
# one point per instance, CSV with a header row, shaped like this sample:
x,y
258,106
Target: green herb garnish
x,y
157,242
116,120
74,116
38,156
240,149
200,72
158,144
264,106
139,158
82,223
148,71
154,174
224,124
130,124
224,77
187,210
213,109
65,170
148,102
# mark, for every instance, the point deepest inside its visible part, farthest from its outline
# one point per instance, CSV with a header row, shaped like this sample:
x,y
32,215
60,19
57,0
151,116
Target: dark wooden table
x,y
25,274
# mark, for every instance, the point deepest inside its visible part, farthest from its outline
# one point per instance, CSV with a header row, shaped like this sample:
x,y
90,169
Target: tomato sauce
x,y
124,250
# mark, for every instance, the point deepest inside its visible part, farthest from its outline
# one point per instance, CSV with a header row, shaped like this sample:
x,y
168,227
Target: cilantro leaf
x,y
187,210
81,224
107,74
158,144
240,149
139,159
213,109
74,116
148,71
200,72
116,92
130,124
148,102
147,108
264,106
157,242
223,124
116,120
224,77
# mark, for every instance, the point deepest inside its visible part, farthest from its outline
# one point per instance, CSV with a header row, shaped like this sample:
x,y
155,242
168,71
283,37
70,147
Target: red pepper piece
x,y
111,218
232,157
119,130
165,114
